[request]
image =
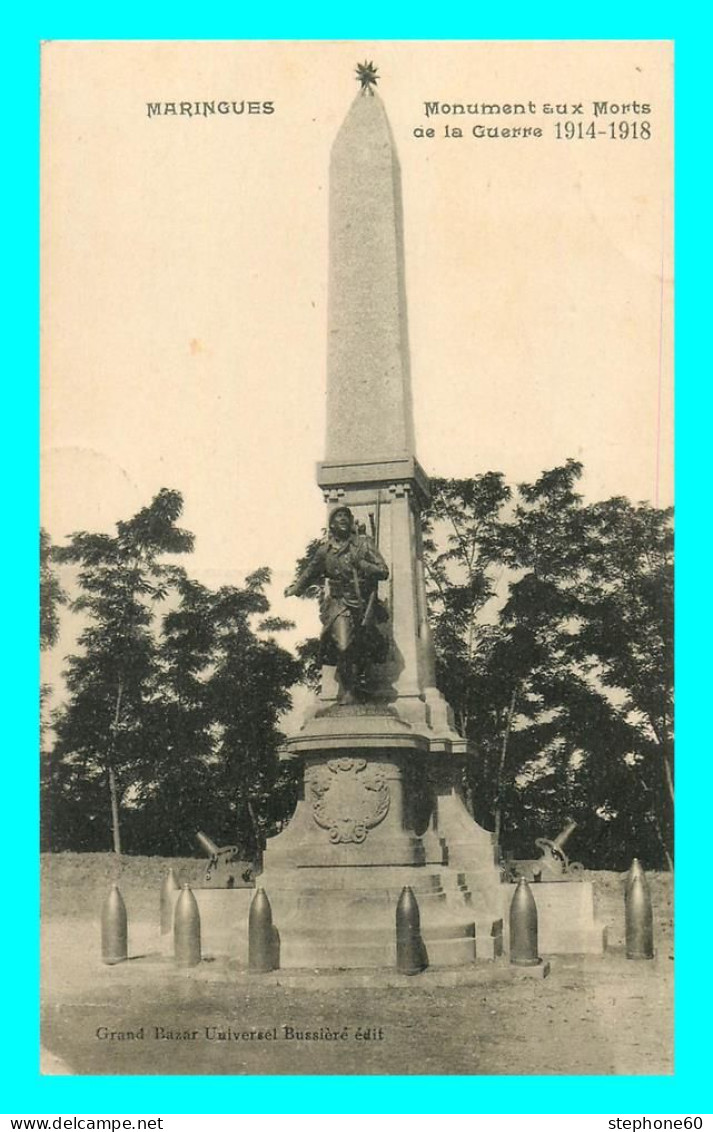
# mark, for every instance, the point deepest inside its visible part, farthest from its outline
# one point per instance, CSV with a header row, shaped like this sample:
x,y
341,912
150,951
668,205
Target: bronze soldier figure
x,y
350,567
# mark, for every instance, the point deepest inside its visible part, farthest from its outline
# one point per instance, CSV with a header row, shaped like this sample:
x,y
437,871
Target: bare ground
x,y
592,1015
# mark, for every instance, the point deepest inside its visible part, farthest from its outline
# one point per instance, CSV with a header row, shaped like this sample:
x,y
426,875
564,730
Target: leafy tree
x,y
175,776
543,547
552,624
626,646
463,560
607,687
120,579
246,724
52,596
502,576
211,729
464,575
174,700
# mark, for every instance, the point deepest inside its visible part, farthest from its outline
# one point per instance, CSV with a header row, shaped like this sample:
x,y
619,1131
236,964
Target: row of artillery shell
x,y
410,950
638,916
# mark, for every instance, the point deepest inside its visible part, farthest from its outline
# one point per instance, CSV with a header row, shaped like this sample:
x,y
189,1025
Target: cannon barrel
x,y
206,844
562,838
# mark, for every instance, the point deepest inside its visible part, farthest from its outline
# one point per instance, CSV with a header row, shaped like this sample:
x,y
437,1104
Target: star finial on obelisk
x,y
369,414
367,76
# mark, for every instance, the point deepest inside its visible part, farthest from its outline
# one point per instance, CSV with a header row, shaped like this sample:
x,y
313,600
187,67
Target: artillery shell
x,y
639,920
635,871
169,886
187,930
261,934
114,928
410,952
523,927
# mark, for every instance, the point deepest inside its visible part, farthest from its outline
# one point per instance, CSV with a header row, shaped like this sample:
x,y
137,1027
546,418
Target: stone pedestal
x,y
344,916
224,923
378,810
566,922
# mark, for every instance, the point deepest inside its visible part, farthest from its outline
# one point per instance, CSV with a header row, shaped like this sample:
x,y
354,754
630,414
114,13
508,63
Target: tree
x,y
464,572
626,644
463,562
52,596
543,546
120,579
174,791
210,731
606,689
552,625
501,594
175,695
248,692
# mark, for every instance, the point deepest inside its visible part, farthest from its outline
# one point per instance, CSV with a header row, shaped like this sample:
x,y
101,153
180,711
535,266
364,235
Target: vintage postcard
x,y
356,576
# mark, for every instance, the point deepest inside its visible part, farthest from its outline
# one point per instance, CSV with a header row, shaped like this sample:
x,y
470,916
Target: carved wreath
x,y
348,798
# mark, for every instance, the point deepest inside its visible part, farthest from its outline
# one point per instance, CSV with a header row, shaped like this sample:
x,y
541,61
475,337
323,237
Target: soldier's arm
x,y
313,572
372,562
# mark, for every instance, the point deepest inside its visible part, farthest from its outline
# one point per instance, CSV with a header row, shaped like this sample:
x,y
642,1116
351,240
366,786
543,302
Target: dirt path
x,y
590,1016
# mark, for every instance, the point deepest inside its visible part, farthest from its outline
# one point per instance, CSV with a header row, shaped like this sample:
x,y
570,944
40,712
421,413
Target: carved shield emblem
x,y
349,797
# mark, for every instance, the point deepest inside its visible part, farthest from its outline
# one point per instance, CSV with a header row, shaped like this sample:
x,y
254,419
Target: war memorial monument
x,y
381,805
381,809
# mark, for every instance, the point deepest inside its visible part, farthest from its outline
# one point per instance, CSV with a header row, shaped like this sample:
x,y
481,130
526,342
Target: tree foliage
x,y
552,624
120,579
52,596
212,726
174,694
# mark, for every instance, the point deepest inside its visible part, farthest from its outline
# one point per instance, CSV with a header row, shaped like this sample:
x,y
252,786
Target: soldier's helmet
x,y
342,510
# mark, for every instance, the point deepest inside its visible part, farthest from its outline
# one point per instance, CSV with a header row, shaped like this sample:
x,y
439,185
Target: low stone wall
x,y
75,884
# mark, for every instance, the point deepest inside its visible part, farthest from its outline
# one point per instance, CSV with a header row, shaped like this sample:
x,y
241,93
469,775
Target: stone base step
x,y
343,928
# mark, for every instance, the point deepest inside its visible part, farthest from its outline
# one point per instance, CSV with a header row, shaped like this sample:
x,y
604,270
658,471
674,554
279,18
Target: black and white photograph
x,y
357,558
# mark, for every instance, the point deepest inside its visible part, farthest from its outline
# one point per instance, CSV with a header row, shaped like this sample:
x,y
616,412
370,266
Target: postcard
x,y
356,578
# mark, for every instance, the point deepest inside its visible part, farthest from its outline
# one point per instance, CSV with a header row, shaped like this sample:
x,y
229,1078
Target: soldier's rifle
x,y
374,523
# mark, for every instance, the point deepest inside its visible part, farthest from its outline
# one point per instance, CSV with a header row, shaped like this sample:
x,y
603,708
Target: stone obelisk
x,y
382,805
369,413
370,460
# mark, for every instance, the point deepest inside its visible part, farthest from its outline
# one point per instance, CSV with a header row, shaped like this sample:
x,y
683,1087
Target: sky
x,y
184,282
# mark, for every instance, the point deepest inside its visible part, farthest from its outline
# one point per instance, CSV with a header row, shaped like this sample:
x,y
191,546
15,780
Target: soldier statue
x,y
349,566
